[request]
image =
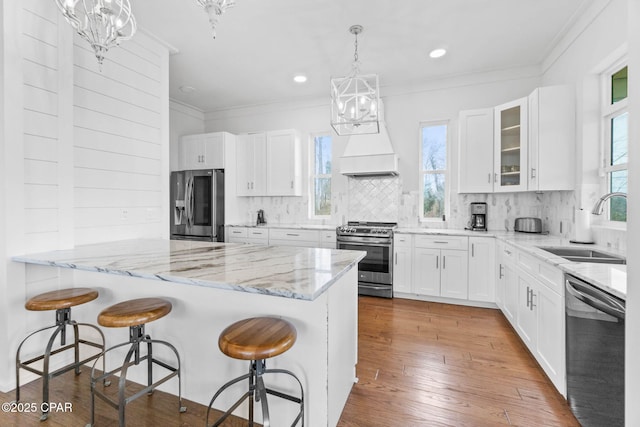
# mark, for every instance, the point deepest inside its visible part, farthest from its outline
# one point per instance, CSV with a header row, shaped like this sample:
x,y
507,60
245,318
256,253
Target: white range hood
x,y
369,155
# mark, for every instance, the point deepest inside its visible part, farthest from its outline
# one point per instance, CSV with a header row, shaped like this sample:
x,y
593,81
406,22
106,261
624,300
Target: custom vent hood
x,y
370,154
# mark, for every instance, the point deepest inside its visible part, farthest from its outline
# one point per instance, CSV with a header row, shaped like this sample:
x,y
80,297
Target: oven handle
x,y
601,302
371,243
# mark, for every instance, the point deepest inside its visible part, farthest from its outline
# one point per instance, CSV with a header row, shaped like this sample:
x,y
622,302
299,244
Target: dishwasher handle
x,y
595,298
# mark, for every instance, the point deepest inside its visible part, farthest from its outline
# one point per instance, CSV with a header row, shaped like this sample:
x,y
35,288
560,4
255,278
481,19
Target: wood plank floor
x,y
420,364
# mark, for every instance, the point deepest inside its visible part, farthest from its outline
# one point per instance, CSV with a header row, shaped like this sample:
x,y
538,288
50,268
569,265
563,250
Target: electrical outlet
x,y
124,214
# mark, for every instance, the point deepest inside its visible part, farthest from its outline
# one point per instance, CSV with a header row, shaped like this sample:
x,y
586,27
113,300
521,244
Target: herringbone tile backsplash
x,y
374,199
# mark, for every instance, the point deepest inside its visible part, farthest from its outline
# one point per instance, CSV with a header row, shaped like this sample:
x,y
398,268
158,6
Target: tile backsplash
x,y
374,199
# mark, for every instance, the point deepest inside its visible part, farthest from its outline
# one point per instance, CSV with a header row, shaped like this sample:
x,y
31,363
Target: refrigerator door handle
x,y
188,205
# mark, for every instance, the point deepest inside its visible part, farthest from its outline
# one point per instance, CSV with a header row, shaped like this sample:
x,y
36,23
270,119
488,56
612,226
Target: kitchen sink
x,y
584,255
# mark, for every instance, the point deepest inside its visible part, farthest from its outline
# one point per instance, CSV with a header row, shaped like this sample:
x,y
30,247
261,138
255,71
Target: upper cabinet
x,y
476,151
204,151
551,139
268,164
510,146
250,164
524,145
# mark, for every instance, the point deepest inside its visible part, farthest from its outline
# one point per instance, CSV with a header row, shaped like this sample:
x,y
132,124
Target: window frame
x,y
445,172
608,111
313,176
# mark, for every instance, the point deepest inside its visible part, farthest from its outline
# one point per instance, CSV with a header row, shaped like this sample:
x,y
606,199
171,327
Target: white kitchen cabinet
x,y
551,345
507,289
253,235
482,261
283,163
250,164
402,262
203,151
510,146
440,266
526,313
294,237
328,239
475,153
551,139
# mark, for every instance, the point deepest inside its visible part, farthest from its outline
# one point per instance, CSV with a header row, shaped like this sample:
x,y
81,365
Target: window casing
x,y
434,191
320,176
615,119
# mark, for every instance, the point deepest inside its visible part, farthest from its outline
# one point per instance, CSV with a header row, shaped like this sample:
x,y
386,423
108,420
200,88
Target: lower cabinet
x,y
402,262
282,237
506,285
253,235
482,272
440,266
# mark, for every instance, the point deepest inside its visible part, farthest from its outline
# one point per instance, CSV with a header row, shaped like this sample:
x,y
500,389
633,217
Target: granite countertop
x,y
290,272
293,226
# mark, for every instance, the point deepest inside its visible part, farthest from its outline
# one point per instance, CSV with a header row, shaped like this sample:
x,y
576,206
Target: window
x,y
433,169
321,176
616,140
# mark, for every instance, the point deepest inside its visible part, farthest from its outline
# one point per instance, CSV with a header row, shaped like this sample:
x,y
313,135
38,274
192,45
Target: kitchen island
x,y
212,285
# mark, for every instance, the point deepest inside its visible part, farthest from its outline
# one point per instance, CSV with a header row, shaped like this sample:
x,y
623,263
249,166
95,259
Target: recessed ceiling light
x,y
187,89
300,78
437,53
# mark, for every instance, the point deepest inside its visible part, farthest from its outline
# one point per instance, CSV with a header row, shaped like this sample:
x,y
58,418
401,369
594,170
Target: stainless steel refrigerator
x,y
197,205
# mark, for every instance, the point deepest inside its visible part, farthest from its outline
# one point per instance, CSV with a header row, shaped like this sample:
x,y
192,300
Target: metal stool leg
x,y
18,363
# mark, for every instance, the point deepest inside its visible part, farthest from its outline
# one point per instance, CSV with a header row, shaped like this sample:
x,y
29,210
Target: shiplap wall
x,y
120,150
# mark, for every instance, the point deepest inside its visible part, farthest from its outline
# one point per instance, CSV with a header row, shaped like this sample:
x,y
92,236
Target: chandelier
x,y
102,23
215,9
355,99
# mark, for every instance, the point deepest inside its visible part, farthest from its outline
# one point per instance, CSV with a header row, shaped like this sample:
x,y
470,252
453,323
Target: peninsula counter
x,y
212,285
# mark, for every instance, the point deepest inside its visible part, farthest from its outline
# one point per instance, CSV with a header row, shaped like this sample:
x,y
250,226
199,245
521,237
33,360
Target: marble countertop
x,y
293,226
291,272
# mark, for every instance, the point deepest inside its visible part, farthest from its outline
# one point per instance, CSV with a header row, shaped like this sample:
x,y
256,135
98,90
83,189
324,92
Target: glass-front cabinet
x,y
510,146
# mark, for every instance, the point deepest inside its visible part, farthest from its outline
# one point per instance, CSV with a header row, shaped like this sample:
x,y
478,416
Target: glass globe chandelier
x,y
102,23
355,99
215,9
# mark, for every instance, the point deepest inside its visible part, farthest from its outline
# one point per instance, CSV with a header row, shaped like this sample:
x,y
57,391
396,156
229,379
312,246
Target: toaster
x,y
528,225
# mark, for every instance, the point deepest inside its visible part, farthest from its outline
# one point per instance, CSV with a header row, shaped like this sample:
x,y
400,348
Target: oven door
x,y
375,270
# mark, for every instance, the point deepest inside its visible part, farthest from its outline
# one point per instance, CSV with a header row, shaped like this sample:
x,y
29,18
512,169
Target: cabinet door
x,y
510,282
213,151
475,153
283,163
402,269
510,146
550,346
482,255
244,165
426,271
453,274
189,151
526,315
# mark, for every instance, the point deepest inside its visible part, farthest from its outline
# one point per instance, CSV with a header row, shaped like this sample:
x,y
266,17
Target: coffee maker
x,y
479,216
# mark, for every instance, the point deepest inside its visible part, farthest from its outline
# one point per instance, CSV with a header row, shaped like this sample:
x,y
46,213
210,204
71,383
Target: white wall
x,y
183,120
85,153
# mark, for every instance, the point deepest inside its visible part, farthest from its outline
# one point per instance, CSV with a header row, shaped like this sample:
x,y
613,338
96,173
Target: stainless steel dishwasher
x,y
595,354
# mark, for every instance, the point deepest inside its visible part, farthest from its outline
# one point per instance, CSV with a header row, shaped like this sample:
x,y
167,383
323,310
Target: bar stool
x,y
256,340
134,314
61,301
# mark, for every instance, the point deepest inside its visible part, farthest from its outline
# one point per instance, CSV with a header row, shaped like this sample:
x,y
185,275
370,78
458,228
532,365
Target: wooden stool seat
x,y
257,338
60,299
134,312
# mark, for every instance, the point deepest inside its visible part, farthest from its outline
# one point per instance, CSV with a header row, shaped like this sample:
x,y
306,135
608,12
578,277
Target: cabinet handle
x,y
473,250
444,262
252,185
533,173
437,262
396,258
441,242
507,252
292,234
489,178
248,187
529,292
291,184
495,177
532,304
500,273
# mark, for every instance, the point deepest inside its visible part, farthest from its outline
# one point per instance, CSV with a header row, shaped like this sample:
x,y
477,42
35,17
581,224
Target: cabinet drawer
x,y
293,234
402,240
328,238
237,232
258,233
549,275
442,242
508,253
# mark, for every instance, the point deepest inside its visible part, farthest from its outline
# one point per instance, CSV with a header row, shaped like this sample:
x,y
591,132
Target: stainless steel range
x,y
375,271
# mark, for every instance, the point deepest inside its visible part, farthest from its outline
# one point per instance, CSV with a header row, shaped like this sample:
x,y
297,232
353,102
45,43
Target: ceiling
x,y
261,44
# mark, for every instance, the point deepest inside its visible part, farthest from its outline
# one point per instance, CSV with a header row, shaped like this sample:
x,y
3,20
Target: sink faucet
x,y
599,206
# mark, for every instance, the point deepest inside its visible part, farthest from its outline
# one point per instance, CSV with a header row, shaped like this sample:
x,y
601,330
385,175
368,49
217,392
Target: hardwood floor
x,y
429,364
420,364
